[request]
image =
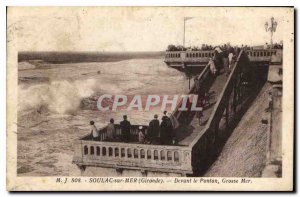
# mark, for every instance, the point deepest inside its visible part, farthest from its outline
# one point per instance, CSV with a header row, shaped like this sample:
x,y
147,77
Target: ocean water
x,y
50,112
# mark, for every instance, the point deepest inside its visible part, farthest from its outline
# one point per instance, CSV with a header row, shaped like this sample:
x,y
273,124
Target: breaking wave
x,y
58,96
65,96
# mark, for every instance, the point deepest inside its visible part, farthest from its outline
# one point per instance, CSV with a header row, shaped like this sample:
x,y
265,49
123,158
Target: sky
x,y
138,28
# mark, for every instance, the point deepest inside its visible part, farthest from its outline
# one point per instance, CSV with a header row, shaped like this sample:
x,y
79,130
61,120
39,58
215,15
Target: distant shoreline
x,y
74,57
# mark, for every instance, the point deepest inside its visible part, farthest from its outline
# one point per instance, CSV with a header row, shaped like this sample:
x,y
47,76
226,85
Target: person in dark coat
x,y
225,60
197,85
153,129
125,129
218,61
166,131
165,115
170,131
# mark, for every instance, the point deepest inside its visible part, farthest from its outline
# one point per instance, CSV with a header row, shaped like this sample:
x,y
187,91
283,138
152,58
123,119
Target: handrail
x,y
220,99
200,78
103,132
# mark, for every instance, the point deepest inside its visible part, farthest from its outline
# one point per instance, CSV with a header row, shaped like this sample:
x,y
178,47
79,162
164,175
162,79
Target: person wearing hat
x,y
212,66
141,136
153,129
217,59
94,132
111,131
199,115
166,131
125,129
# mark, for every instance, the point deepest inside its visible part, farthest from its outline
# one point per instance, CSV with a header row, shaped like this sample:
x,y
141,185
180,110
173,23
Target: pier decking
x,y
195,128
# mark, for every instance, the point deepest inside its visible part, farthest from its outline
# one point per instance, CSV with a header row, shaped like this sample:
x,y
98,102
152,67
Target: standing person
x,y
164,130
141,136
230,58
218,61
266,46
111,131
197,85
270,99
199,115
153,129
165,115
94,132
201,98
225,61
125,129
170,132
212,66
206,96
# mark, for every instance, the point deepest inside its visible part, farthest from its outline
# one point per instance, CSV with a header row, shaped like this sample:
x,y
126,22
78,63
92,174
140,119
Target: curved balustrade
x,y
130,152
138,156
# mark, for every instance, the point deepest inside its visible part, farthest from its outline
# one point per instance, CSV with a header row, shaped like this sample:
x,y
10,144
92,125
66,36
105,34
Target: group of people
x,y
206,47
274,46
111,130
203,100
157,132
223,59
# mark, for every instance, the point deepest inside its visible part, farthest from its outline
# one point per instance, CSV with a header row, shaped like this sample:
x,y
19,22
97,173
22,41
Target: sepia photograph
x,y
150,98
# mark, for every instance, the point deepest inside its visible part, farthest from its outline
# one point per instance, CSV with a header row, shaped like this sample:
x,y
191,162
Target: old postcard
x,y
150,98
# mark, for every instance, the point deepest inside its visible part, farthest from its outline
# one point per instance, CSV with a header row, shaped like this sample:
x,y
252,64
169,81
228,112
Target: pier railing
x,y
262,55
255,55
204,78
118,155
134,130
188,56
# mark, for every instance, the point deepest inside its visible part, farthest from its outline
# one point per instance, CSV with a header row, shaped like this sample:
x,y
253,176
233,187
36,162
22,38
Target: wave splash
x,y
58,96
65,96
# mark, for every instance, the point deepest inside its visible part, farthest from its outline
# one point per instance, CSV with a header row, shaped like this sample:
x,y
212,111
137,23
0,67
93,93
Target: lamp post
x,y
271,28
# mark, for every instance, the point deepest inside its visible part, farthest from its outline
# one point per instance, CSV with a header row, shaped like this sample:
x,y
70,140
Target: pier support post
x,y
81,168
119,171
183,174
144,173
234,103
227,113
